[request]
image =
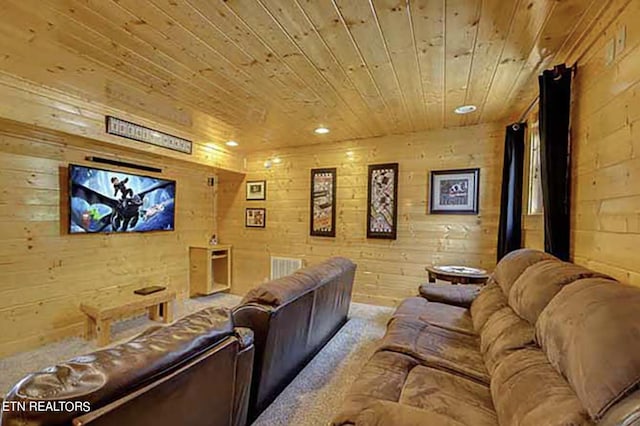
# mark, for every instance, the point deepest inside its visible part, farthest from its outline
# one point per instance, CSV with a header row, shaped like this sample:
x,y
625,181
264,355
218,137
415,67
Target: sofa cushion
x,y
445,316
327,270
456,397
540,282
386,413
511,266
279,291
457,295
490,300
591,334
503,333
527,391
285,289
436,347
381,379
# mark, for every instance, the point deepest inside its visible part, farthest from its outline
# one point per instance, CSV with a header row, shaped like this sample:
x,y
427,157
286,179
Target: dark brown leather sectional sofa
x,y
544,343
293,318
196,371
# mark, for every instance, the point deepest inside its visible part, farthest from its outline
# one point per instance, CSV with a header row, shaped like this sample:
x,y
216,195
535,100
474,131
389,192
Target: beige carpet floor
x,y
311,399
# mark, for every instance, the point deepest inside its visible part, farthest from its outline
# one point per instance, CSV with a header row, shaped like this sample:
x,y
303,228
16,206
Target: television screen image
x,y
110,201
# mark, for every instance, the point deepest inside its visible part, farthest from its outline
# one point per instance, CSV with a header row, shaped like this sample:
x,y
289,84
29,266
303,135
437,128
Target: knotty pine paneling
x,y
266,73
47,273
605,153
43,106
388,271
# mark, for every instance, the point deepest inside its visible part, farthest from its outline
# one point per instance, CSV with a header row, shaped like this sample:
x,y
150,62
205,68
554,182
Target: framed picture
x,y
255,218
455,191
323,203
382,201
256,190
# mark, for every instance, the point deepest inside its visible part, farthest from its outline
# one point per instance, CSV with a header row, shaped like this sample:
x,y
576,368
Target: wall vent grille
x,y
283,266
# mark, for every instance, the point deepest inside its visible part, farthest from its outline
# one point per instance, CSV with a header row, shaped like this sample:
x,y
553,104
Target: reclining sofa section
x,y
545,342
196,371
292,318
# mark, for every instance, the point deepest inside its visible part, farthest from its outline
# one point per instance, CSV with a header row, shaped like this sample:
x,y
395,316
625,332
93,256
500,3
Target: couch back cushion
x,y
527,391
591,334
279,291
503,333
489,301
283,290
328,270
540,282
511,266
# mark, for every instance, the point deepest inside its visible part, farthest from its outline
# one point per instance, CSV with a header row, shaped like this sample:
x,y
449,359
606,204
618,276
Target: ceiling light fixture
x,y
276,160
465,109
321,131
232,143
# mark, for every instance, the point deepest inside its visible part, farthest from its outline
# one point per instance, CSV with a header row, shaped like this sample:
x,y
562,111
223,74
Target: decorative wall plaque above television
x,y
136,132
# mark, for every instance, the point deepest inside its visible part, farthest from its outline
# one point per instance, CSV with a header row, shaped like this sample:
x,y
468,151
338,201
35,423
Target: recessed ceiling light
x,y
321,131
232,143
466,109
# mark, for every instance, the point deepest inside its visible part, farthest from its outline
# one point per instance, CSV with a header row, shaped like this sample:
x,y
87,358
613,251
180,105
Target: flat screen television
x,y
112,201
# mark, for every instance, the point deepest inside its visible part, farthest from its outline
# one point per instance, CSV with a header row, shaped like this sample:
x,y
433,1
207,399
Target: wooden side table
x,y
457,274
209,270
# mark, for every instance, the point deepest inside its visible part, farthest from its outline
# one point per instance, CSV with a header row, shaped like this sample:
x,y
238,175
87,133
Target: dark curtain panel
x,y
555,104
510,229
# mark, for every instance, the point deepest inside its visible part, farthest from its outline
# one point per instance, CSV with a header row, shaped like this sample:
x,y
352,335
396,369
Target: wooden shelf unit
x,y
209,270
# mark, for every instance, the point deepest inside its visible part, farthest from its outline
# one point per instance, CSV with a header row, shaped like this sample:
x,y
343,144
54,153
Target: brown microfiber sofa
x,y
196,371
292,318
545,342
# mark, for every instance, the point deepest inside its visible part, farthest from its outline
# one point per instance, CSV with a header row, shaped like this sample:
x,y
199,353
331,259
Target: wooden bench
x,y
100,315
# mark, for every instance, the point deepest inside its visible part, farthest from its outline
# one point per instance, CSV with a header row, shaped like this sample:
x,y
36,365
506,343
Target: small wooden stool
x,y
100,316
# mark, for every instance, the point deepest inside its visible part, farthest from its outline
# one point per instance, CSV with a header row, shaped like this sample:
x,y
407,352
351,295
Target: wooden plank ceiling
x,y
267,72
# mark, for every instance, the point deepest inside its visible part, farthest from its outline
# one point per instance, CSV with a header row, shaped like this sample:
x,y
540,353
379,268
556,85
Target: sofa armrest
x,y
624,413
451,294
244,374
383,413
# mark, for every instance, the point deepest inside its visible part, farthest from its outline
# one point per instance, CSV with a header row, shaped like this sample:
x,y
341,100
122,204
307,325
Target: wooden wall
x,y
47,273
46,107
605,150
606,153
388,271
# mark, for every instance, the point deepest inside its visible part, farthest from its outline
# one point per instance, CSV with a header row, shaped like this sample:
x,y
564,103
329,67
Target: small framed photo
x,y
323,203
256,190
255,218
382,201
454,191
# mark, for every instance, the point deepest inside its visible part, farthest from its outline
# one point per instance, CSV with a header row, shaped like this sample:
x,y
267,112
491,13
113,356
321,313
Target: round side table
x,y
457,274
